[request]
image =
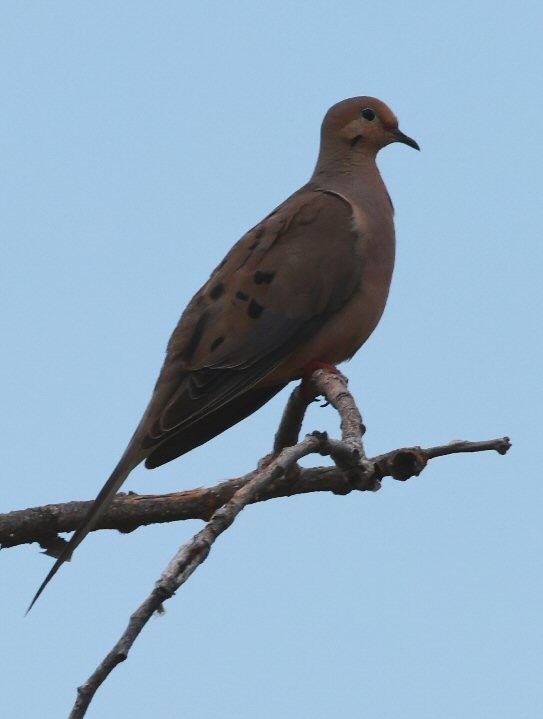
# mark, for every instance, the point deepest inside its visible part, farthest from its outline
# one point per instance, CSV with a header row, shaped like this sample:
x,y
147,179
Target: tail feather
x,y
167,448
100,504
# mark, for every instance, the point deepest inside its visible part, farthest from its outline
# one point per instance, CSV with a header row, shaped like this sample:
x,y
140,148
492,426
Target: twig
x,y
291,421
409,462
189,557
334,388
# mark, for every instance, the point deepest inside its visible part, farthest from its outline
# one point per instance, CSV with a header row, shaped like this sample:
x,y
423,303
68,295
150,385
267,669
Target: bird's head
x,y
363,123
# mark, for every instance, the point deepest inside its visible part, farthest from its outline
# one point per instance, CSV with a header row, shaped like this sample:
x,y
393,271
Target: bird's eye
x,y
368,114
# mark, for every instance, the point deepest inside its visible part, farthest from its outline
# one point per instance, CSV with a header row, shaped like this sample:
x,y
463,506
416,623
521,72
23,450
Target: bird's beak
x,y
400,137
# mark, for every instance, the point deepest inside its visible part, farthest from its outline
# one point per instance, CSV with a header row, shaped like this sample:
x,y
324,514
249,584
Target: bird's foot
x,y
314,365
307,387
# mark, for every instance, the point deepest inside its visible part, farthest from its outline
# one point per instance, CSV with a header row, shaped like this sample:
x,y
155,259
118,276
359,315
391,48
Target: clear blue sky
x,y
138,142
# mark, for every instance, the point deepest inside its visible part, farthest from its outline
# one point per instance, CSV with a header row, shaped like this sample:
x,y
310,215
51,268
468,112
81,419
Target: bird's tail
x,y
127,463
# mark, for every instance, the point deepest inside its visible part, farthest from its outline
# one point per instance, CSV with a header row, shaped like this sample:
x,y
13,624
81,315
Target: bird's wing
x,y
275,290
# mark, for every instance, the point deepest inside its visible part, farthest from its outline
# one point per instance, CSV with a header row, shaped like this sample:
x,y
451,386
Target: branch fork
x,y
277,475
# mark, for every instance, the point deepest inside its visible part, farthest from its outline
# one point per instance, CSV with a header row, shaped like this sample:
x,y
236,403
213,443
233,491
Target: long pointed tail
x,y
100,504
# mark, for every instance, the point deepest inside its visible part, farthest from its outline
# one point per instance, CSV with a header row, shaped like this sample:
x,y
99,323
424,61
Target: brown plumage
x,y
308,283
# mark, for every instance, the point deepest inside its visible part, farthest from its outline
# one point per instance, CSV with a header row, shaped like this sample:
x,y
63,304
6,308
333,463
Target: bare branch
x,y
130,511
409,462
277,475
291,421
189,557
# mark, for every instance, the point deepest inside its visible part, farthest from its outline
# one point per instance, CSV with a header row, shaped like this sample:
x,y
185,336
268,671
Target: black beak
x,y
400,137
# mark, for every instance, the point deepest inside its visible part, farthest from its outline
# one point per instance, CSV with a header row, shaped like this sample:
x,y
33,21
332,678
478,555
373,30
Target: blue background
x,y
138,142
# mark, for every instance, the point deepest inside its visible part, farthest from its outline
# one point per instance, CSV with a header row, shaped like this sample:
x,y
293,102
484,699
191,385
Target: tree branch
x,y
130,511
278,475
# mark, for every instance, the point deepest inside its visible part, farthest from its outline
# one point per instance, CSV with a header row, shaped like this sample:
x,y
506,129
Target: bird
x,y
304,288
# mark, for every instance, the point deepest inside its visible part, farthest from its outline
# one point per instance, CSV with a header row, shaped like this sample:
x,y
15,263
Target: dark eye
x,y
368,114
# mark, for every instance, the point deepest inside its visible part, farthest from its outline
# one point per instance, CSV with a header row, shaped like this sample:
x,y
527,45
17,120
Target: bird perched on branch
x,y
304,288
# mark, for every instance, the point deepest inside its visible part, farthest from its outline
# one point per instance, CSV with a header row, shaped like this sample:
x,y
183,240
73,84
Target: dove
x,y
303,289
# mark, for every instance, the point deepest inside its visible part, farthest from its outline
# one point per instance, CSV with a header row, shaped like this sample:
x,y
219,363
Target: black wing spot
x,y
356,140
216,343
217,291
263,278
258,235
255,310
242,296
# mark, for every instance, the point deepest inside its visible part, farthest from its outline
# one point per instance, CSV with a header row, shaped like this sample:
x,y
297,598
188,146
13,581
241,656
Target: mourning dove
x,y
305,287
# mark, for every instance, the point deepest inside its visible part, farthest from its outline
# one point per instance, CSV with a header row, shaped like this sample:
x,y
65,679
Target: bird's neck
x,y
357,178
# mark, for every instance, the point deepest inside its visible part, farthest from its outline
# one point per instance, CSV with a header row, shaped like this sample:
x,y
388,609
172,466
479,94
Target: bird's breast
x,y
346,331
